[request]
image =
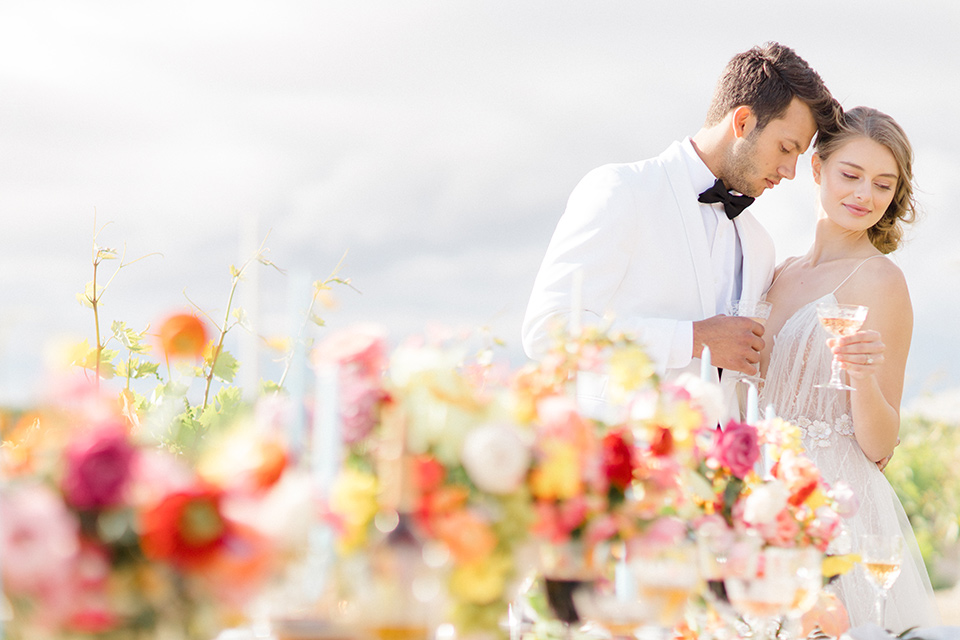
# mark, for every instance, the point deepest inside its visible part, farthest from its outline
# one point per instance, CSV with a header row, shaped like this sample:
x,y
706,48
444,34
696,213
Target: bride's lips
x,y
857,210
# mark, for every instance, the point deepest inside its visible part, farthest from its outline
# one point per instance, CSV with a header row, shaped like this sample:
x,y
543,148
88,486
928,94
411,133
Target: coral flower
x,y
186,528
183,335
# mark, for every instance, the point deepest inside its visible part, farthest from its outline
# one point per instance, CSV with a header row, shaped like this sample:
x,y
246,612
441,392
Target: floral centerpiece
x,y
105,533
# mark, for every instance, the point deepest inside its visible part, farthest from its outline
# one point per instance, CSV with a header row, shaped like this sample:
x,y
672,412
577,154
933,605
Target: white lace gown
x,y
799,360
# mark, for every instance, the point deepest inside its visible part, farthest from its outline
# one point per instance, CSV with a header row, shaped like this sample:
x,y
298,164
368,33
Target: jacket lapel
x,y
692,221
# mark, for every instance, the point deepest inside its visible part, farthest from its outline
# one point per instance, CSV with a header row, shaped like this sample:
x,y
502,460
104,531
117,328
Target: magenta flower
x,y
98,466
736,447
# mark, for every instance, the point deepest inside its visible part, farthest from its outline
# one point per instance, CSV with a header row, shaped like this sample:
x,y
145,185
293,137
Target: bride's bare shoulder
x,y
882,286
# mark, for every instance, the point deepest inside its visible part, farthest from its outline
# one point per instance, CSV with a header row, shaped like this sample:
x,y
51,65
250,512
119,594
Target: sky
x,y
434,142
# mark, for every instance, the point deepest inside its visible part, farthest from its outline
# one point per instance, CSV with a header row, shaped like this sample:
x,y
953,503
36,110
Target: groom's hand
x,y
735,342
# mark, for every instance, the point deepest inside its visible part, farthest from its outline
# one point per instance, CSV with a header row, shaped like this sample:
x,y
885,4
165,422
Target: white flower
x,y
762,506
705,395
496,457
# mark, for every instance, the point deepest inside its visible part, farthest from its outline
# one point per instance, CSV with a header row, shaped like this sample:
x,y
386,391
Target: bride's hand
x,y
859,353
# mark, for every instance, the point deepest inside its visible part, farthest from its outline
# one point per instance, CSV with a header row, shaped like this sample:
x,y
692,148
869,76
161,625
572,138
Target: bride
x,y
864,173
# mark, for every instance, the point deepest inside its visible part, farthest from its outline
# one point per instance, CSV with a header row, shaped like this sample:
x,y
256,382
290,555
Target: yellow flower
x,y
630,368
354,498
816,499
682,420
480,582
839,565
558,476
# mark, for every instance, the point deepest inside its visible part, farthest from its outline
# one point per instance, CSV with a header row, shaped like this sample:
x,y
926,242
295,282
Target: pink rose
x,y
667,531
38,539
98,466
360,350
783,531
736,448
360,400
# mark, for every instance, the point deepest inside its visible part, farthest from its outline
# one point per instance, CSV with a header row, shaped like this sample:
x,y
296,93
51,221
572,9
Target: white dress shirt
x,y
726,253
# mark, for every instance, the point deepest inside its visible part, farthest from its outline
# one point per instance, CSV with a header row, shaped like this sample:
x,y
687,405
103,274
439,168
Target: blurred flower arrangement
x,y
165,515
106,533
151,511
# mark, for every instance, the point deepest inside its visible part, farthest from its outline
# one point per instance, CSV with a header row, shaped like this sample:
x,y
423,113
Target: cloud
x,y
435,141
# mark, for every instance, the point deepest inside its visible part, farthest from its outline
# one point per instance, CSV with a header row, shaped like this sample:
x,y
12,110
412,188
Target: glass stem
x,y
835,372
881,606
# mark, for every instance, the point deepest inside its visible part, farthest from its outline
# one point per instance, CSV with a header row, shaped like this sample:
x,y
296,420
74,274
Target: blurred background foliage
x,y
924,474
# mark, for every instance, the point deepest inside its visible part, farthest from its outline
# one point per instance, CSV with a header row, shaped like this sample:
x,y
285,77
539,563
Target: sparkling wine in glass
x,y
762,587
756,310
881,556
839,320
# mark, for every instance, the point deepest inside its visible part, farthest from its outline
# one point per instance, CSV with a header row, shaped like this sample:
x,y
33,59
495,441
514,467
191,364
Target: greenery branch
x,y
214,365
319,286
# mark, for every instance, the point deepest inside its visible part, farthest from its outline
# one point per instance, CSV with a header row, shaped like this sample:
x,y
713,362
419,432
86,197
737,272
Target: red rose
x,y
662,442
97,468
618,460
736,447
186,528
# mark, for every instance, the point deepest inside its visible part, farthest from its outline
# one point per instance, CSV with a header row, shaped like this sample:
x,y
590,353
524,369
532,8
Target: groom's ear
x,y
743,121
816,165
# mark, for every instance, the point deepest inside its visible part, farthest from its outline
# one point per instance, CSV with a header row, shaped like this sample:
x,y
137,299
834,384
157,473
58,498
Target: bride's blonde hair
x,y
865,122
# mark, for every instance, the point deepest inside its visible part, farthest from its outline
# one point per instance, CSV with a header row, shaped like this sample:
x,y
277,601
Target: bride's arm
x,y
875,359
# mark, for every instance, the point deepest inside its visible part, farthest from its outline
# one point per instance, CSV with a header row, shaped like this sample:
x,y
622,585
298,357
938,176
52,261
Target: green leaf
x,y
132,340
317,320
225,368
88,296
106,253
138,369
240,314
224,407
269,386
234,272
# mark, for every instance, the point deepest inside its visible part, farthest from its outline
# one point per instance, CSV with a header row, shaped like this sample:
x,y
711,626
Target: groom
x,y
663,246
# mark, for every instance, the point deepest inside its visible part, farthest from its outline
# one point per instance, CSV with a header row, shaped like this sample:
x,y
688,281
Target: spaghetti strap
x,y
857,268
780,271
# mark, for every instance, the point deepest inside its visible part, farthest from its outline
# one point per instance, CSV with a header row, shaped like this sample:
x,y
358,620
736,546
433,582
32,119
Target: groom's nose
x,y
789,169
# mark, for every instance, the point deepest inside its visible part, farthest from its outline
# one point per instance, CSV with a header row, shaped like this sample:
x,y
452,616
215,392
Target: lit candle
x,y
753,410
576,302
705,365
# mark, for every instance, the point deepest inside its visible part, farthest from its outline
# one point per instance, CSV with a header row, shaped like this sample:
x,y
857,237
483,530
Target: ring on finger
x,y
869,359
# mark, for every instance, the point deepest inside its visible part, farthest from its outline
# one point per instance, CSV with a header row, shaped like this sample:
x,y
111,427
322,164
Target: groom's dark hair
x,y
767,79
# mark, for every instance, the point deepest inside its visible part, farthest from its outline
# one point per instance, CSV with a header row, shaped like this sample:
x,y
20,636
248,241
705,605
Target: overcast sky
x,y
436,141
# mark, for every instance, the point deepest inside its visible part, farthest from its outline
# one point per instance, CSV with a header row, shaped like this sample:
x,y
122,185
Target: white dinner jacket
x,y
636,233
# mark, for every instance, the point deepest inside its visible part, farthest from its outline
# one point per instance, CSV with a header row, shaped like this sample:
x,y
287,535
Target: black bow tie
x,y
732,204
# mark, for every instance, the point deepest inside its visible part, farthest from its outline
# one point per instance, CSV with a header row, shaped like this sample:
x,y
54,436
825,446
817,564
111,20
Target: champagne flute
x,y
839,320
881,556
758,311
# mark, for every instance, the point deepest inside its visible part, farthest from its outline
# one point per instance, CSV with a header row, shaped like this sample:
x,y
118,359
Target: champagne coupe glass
x,y
808,568
666,576
881,556
758,311
762,586
569,572
839,320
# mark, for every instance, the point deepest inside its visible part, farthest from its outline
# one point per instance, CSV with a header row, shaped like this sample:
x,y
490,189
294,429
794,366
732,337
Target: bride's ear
x,y
816,165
